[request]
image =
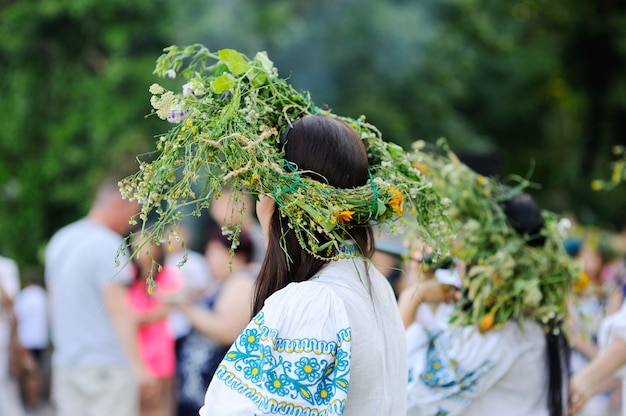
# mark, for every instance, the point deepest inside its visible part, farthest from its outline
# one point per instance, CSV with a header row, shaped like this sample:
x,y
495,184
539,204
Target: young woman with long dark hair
x,y
326,337
517,369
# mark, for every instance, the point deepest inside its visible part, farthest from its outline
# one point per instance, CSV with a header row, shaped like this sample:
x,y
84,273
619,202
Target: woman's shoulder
x,y
294,354
302,294
302,304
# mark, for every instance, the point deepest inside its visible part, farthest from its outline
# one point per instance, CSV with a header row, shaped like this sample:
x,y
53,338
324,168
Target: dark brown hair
x,y
329,151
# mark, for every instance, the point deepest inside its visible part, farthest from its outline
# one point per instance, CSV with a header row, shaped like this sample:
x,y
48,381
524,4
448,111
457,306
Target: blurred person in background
x,y
31,309
425,269
610,362
156,339
10,403
586,315
217,320
226,212
197,278
517,369
97,368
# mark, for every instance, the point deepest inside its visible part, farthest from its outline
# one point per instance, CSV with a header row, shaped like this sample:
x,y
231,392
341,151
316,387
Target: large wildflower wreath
x,y
228,118
507,279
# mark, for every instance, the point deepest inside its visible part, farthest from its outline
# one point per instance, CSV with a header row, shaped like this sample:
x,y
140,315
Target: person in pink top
x,y
155,337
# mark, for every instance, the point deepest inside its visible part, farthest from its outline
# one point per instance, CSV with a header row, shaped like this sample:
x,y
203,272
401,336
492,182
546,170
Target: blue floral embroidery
x,y
324,392
444,373
277,384
265,362
250,339
307,369
254,372
341,360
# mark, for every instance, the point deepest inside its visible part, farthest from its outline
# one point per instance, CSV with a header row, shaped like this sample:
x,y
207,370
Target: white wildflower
x,y
193,88
564,225
156,89
187,90
163,104
176,114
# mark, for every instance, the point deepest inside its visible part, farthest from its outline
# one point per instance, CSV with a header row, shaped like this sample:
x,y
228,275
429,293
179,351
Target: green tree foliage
x,y
75,78
539,84
547,87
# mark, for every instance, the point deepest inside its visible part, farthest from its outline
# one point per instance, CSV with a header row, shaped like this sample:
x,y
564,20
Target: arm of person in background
x,y
615,299
580,343
125,327
230,313
591,379
156,313
427,291
5,300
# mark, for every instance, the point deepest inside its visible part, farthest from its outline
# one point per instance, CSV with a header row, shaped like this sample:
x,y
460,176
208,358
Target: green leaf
x,y
257,77
223,83
236,62
519,286
381,207
394,150
265,61
473,288
218,68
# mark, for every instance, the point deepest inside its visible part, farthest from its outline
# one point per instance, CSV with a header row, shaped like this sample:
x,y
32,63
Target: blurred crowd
x,y
143,334
101,331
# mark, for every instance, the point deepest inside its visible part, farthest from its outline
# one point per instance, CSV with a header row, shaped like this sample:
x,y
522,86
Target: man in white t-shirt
x,y
97,369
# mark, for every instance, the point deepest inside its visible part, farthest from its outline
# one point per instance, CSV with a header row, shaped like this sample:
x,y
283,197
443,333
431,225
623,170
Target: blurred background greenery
x,y
529,87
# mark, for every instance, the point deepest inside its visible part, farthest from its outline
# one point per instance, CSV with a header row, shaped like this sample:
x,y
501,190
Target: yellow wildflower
x,y
343,216
596,185
616,176
581,283
487,321
396,201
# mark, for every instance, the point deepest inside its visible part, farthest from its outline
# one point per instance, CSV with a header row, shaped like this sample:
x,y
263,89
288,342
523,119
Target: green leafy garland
x,y
508,279
228,119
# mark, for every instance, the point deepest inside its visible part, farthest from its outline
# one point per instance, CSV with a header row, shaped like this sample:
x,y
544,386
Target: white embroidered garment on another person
x,y
459,371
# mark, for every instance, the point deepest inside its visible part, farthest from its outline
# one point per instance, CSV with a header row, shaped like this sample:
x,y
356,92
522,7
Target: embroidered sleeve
x,y
293,358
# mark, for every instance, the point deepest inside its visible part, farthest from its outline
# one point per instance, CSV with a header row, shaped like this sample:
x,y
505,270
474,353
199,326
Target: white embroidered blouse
x,y
333,345
459,371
